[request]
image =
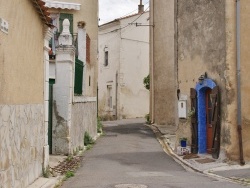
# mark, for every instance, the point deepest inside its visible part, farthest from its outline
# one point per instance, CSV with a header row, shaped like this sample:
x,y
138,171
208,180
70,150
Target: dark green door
x,y
51,82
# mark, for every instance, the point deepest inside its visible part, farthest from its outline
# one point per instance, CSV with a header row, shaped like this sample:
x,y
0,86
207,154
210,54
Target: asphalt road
x,y
129,156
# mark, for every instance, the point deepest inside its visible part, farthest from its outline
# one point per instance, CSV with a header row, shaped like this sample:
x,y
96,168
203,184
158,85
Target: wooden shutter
x,y
78,76
87,49
215,122
194,125
70,18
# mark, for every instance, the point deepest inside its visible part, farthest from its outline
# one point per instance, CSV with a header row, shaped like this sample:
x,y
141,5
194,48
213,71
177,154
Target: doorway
x,y
50,123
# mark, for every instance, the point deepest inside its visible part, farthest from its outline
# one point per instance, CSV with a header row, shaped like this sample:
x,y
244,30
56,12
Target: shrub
x,y
88,140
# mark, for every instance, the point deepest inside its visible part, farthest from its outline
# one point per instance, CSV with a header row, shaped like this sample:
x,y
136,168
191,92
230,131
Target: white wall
x,y
107,74
129,57
134,66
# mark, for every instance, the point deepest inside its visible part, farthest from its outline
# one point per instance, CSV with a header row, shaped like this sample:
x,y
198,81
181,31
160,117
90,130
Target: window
x,y
106,60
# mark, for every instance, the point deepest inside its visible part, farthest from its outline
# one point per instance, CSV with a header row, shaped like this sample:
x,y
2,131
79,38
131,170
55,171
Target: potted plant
x,y
183,142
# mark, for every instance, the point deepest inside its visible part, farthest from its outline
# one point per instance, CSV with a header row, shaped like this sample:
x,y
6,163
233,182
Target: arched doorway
x,y
205,115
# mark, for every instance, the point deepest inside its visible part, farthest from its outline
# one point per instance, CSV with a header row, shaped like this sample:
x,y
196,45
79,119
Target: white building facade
x,y
123,64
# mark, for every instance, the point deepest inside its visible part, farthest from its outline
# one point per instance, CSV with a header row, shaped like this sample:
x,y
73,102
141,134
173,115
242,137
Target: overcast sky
x,y
112,9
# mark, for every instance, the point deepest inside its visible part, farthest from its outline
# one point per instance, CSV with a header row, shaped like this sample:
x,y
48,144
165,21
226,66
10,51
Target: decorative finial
x,y
65,37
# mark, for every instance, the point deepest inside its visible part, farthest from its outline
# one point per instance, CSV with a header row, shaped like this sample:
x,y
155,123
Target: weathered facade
x,y
123,64
206,56
24,146
73,74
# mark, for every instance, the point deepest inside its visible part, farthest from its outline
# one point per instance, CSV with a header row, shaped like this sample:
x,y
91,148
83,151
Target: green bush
x,y
88,140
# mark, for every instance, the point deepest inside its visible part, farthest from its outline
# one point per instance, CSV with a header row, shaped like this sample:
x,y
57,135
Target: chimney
x,y
140,7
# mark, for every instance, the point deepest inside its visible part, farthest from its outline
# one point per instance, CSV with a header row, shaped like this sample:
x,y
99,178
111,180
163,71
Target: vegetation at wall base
x,y
46,172
69,174
146,82
88,140
147,117
99,125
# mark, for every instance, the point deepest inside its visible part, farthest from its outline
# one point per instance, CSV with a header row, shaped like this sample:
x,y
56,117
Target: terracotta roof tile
x,y
42,11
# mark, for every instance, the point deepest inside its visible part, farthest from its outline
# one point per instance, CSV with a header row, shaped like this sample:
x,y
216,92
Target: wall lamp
x,y
202,78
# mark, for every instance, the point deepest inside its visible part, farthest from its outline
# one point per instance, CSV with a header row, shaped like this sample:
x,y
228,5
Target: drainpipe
x,y
116,93
152,65
242,162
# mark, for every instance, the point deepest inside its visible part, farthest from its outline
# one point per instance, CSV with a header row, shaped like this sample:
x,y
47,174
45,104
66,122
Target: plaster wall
x,y
201,47
107,74
83,120
134,66
128,50
62,100
207,44
17,54
245,67
163,67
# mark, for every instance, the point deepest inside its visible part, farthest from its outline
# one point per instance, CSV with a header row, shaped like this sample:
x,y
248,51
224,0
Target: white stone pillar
x,y
63,91
47,36
81,38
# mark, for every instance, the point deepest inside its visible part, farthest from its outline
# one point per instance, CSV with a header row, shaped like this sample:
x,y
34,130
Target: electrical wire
x,y
131,11
115,30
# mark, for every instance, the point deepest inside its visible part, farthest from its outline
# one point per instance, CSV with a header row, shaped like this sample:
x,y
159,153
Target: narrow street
x,y
129,156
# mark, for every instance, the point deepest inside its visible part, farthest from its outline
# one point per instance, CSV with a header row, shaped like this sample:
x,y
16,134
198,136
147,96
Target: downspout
x,y
152,64
239,123
116,93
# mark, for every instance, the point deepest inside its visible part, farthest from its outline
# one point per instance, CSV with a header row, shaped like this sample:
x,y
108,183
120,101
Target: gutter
x,y
238,64
152,64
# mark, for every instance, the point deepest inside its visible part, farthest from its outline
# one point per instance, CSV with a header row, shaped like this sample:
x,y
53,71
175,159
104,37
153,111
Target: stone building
x,y
73,74
123,64
198,68
24,149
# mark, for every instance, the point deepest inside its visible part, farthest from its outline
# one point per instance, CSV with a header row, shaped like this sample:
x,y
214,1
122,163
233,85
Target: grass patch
x,y
69,174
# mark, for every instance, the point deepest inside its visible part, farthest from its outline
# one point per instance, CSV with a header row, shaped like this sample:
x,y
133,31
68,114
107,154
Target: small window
x,y
106,61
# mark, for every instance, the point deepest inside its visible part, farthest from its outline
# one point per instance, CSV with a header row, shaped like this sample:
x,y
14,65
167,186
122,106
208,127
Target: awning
x,y
62,5
42,11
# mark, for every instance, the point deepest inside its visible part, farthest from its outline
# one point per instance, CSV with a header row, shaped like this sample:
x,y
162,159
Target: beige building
x,y
199,64
123,64
24,49
73,74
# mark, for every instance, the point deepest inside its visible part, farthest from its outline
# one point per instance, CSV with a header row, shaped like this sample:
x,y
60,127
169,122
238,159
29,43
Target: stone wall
x,y
84,119
21,146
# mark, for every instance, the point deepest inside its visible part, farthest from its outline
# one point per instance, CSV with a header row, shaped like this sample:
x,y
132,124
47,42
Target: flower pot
x,y
183,143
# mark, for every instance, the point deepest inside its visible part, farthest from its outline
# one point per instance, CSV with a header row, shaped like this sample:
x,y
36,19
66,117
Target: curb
x,y
185,164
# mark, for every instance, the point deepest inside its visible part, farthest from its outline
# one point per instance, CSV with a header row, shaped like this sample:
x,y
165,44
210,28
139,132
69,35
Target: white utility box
x,y
182,107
